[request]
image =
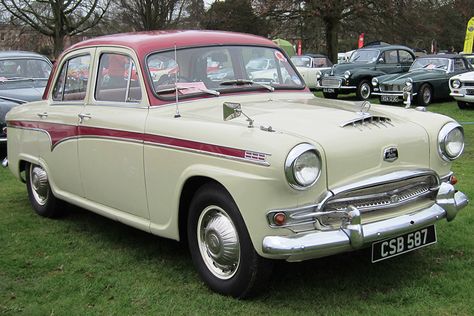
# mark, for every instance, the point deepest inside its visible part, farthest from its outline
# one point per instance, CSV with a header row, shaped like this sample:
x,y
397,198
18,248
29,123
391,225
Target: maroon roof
x,y
146,42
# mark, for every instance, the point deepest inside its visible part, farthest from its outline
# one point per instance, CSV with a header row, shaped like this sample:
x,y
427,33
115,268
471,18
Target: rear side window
x,y
405,57
72,81
117,79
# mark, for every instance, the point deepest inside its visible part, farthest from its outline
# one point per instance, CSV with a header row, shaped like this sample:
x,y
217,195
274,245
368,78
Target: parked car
x,y
426,81
23,77
309,66
245,171
462,89
364,64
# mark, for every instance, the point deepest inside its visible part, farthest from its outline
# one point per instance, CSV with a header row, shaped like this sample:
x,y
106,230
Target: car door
x,y
59,121
388,62
111,128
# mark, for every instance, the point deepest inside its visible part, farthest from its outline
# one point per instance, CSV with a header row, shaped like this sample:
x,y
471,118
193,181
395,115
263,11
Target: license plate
x,y
389,98
329,90
392,247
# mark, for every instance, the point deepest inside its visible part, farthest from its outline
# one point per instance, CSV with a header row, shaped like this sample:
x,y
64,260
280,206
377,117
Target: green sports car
x,y
426,80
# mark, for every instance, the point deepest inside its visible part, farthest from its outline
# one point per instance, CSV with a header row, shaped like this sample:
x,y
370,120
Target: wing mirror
x,y
233,110
381,61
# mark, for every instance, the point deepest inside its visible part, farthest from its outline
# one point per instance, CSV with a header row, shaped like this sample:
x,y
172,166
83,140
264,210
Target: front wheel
x,y
220,245
425,95
364,90
40,195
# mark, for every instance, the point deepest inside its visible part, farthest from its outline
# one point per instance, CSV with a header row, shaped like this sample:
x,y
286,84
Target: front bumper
x,y
461,95
354,235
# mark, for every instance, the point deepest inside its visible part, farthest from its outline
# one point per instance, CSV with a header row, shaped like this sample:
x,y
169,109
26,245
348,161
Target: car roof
x,y
386,47
19,53
144,43
312,55
449,56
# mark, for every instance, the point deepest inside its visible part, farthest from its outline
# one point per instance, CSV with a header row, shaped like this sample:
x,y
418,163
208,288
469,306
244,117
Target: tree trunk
x,y
58,41
331,28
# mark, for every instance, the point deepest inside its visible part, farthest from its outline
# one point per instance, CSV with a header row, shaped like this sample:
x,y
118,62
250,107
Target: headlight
x,y
375,82
409,85
347,74
451,141
302,166
456,83
318,76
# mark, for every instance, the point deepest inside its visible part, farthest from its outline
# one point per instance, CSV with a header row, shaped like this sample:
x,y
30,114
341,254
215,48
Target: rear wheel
x,y
39,192
425,95
364,90
220,245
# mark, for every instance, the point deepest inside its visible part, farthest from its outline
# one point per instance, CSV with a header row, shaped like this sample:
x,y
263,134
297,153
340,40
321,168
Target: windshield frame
x,y
224,89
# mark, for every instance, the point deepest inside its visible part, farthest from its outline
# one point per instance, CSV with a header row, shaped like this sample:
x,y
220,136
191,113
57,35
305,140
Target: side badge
x,y
390,154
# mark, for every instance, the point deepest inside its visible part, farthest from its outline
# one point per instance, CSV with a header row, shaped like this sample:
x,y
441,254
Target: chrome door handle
x,y
82,116
42,115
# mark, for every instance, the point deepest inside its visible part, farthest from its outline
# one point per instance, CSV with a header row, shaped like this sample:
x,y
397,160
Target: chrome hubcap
x,y
426,96
39,184
218,242
365,91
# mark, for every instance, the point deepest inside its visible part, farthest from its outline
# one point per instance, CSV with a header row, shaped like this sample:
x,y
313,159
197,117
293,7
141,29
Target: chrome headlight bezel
x,y
299,152
456,84
347,74
409,84
375,82
450,130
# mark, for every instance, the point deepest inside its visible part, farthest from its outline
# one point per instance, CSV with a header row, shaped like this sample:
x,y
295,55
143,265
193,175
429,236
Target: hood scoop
x,y
364,118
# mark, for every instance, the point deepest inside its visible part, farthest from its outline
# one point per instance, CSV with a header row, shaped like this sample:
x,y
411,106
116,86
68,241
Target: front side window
x,y
405,57
71,84
117,79
390,57
220,69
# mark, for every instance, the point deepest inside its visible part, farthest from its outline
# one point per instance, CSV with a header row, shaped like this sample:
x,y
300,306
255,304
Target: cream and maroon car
x,y
245,169
462,89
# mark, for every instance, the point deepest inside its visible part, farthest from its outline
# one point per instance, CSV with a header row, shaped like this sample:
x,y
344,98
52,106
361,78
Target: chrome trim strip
x,y
261,163
3,140
457,94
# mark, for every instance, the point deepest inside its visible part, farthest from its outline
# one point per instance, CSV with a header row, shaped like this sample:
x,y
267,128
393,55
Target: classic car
x,y
310,66
245,171
469,57
364,64
426,81
23,77
462,89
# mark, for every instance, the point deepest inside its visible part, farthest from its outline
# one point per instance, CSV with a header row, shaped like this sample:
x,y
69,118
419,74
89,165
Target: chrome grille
x,y
391,88
331,82
468,84
386,195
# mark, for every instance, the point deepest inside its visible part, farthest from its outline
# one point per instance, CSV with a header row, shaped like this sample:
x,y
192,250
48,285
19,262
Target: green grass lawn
x,y
85,264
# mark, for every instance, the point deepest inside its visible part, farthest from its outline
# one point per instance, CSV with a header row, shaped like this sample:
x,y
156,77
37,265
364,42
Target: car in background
x,y
23,77
470,58
364,64
245,171
462,89
426,81
310,66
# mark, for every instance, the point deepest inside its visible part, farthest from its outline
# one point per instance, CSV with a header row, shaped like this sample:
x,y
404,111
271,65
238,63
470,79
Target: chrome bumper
x,y
5,163
354,235
398,94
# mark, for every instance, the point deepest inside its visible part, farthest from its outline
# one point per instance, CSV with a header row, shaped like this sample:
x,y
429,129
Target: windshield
x,y
430,63
301,61
24,68
220,69
364,56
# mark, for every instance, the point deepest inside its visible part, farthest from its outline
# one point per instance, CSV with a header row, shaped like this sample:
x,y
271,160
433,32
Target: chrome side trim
x,y
3,140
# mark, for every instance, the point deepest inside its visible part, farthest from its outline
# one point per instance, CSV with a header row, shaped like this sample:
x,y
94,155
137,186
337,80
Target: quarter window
x,y
405,57
72,81
117,79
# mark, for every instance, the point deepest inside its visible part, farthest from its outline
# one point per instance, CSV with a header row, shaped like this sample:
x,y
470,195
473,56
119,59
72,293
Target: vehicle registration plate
x,y
329,90
389,98
392,247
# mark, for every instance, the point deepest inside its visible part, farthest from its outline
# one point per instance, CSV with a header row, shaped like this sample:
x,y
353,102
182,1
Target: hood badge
x,y
390,154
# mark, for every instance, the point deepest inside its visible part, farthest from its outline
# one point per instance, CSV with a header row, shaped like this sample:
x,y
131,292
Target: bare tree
x,y
145,15
58,18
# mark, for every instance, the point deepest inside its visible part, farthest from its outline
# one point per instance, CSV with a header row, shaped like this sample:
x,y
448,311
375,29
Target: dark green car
x,y
426,80
365,64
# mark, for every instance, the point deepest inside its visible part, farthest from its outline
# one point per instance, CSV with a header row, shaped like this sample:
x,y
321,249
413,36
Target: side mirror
x,y
381,61
231,110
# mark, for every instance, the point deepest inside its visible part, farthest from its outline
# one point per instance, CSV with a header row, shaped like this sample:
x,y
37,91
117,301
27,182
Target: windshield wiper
x,y
173,89
244,82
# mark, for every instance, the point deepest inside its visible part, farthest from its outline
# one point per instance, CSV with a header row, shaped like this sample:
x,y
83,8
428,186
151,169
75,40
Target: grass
x,y
87,264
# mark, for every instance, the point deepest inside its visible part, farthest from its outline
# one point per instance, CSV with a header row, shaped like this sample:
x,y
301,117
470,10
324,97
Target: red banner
x,y
299,47
361,40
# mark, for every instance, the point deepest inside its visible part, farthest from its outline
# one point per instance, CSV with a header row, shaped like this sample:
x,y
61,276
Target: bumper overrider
x,y
353,235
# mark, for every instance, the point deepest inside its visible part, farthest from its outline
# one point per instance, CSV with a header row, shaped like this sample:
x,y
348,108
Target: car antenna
x,y
176,115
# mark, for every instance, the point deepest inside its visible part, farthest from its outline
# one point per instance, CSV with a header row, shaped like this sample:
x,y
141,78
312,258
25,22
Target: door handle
x,y
42,115
83,116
